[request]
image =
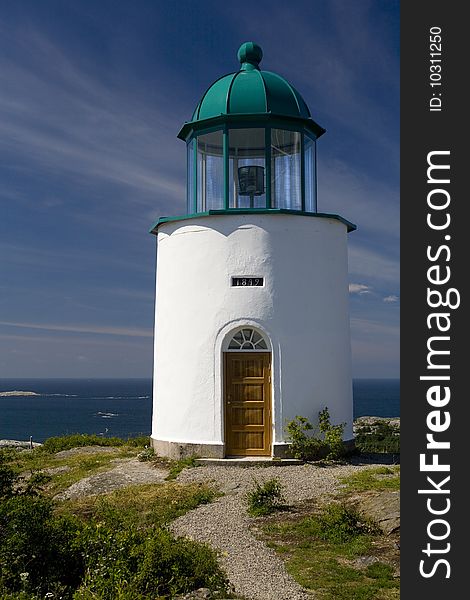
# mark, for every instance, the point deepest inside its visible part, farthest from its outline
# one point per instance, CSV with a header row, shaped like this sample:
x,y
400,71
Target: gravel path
x,y
255,570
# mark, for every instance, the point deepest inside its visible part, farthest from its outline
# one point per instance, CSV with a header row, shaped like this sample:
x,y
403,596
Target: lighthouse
x,y
251,312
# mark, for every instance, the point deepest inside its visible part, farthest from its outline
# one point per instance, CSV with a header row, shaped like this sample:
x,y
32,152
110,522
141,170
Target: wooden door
x,y
248,403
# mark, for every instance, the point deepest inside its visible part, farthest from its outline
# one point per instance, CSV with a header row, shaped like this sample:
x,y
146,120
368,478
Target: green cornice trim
x,y
253,119
259,211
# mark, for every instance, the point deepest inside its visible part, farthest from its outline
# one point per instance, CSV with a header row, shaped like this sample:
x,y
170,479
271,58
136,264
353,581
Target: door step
x,y
249,461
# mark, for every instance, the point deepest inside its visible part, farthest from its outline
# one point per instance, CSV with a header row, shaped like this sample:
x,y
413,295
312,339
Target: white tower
x,y
251,319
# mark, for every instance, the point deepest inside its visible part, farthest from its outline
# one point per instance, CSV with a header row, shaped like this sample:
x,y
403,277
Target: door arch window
x,y
247,339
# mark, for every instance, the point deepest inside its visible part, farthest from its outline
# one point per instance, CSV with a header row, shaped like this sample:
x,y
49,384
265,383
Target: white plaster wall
x,y
302,310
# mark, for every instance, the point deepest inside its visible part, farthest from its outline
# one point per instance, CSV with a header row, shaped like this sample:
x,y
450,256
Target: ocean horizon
x,y
123,407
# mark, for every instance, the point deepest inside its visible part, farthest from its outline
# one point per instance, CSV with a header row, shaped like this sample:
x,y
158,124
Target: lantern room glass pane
x,y
190,179
210,171
310,175
247,168
285,169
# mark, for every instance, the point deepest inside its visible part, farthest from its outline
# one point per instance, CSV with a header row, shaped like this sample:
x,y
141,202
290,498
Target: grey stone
x,y
384,509
364,561
126,472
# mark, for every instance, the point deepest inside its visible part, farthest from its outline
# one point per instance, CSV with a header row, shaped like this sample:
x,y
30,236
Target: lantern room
x,y
251,143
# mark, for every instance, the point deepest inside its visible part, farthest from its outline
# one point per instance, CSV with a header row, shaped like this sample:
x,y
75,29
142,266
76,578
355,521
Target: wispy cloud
x,y
371,263
369,202
95,329
62,118
370,327
391,299
25,255
333,66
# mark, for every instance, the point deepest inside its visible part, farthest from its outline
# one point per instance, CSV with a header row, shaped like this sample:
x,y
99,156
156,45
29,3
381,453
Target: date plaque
x,y
247,281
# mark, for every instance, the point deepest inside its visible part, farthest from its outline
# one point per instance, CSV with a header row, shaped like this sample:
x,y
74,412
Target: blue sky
x,y
92,95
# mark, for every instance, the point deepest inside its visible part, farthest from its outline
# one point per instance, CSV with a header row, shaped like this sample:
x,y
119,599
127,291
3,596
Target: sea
x,y
123,407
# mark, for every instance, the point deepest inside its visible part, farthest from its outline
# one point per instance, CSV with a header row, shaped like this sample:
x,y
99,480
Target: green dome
x,y
251,91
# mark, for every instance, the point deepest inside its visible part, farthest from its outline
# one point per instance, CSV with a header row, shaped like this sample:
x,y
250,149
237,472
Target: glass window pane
x,y
285,169
247,339
247,184
310,175
190,179
210,171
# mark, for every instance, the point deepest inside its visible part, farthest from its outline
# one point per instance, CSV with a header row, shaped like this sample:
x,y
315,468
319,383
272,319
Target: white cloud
x,y
359,288
391,298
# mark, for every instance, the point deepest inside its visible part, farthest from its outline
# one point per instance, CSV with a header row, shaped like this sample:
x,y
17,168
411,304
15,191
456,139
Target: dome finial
x,y
250,55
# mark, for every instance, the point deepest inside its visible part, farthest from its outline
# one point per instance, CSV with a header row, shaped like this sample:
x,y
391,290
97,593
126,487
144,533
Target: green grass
x,y
66,442
140,506
320,570
176,466
319,551
75,467
378,478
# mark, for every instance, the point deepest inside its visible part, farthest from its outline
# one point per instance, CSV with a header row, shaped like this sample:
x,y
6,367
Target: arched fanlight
x,y
247,339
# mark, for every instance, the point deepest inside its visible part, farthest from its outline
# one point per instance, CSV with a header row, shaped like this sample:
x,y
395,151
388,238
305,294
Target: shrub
x,y
44,555
37,553
313,447
7,480
266,498
133,564
146,454
382,437
303,446
333,435
41,553
181,565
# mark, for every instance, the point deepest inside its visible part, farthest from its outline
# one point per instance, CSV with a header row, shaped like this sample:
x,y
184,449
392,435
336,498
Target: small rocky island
x,y
18,393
